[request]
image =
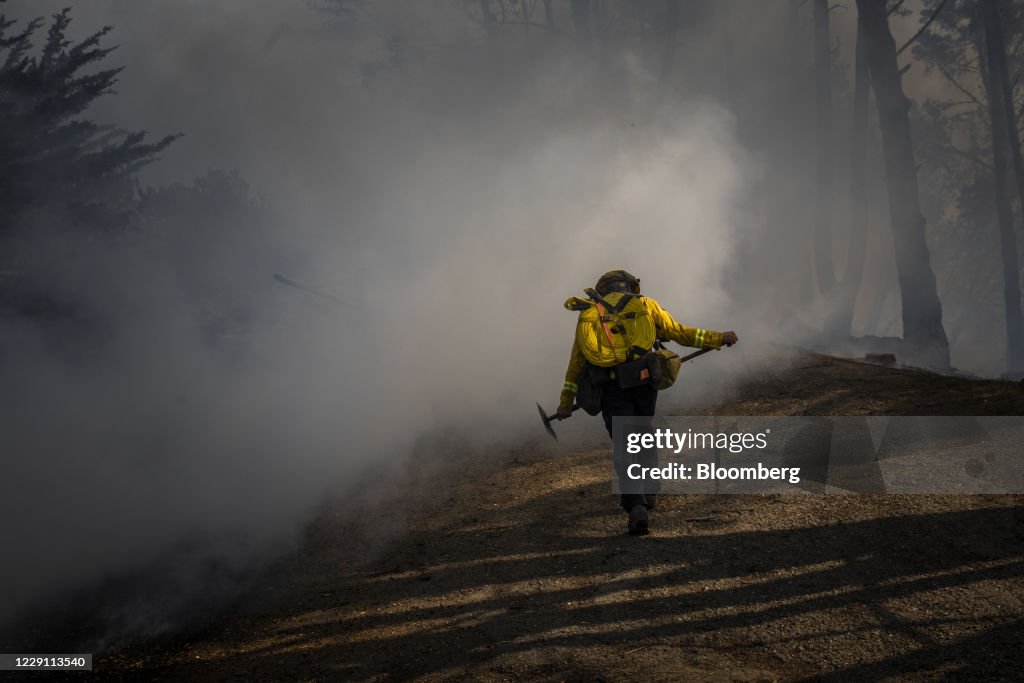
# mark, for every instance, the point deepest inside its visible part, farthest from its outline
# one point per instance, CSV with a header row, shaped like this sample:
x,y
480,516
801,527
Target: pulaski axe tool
x,y
548,419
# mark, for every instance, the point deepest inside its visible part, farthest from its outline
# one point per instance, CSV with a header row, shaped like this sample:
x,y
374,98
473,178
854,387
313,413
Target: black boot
x,y
638,521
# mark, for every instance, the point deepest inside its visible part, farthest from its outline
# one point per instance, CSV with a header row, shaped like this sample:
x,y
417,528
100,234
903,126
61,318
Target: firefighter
x,y
614,311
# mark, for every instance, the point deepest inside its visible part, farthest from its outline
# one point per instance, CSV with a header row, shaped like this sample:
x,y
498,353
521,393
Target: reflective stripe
x,y
699,340
569,386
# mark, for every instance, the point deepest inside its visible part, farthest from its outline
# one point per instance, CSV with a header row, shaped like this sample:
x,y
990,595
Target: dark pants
x,y
635,402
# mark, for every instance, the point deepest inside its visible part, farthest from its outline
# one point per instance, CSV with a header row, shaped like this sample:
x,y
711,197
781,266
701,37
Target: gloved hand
x,y
729,338
563,413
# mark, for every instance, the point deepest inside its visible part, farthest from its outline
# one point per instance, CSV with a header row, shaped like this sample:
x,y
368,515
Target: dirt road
x,y
522,571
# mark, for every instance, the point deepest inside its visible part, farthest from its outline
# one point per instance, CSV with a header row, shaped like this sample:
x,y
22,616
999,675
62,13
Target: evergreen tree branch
x,y
923,28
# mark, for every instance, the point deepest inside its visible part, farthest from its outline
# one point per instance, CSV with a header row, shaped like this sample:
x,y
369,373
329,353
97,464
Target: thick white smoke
x,y
455,197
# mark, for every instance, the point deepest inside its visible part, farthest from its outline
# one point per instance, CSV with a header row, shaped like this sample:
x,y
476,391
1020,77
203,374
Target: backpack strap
x,y
597,298
623,302
604,326
635,352
613,312
617,308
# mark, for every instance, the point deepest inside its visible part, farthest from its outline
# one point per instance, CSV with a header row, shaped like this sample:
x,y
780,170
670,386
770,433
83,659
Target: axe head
x,y
547,422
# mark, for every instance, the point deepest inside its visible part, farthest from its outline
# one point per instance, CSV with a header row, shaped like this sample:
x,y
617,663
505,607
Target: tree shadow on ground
x,y
557,580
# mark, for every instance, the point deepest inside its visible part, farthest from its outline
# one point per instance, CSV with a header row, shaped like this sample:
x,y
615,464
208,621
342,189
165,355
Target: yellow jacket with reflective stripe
x,y
667,328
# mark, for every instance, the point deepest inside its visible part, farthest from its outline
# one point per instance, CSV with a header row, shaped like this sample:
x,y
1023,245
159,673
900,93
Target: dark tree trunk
x,y
599,16
922,310
669,33
490,21
803,261
549,13
1006,90
995,79
581,21
728,43
823,143
842,317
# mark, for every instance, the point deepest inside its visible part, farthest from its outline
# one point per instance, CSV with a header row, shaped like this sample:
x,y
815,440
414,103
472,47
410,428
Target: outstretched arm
x,y
696,337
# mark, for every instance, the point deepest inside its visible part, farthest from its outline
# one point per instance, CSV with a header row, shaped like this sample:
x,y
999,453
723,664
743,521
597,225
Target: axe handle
x,y
555,416
695,354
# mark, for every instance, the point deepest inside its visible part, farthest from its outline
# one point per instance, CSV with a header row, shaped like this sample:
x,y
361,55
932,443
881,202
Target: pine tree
x,y
980,153
921,308
52,159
